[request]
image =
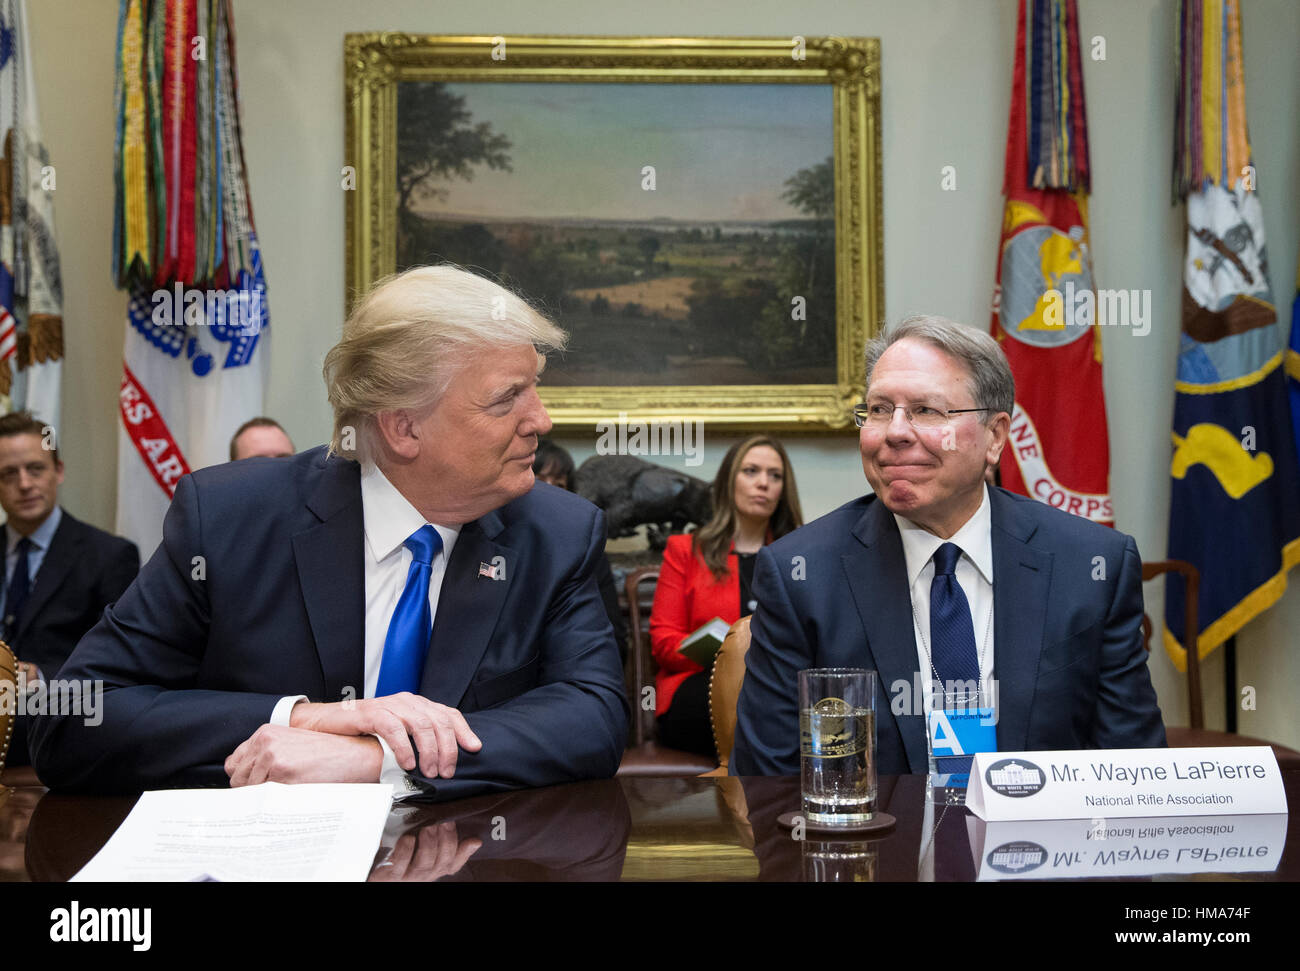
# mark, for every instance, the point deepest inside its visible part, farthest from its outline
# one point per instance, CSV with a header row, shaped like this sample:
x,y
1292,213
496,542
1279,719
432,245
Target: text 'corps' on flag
x,y
1044,306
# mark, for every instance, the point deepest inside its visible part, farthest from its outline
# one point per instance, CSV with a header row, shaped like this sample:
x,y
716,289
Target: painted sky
x,y
720,151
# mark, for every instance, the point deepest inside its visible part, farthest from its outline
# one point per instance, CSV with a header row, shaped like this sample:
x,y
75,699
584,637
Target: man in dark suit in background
x,y
421,615
60,573
939,576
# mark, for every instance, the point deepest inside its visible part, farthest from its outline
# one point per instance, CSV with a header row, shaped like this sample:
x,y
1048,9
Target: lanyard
x,y
988,633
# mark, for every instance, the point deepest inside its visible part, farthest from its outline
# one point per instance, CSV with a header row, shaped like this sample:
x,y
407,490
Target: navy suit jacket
x,y
1067,639
84,570
258,592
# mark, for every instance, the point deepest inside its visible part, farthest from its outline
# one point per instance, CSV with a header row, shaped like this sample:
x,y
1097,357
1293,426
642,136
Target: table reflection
x,y
709,829
570,832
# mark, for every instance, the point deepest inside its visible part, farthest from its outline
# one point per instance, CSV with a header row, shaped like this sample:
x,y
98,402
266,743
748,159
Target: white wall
x,y
946,85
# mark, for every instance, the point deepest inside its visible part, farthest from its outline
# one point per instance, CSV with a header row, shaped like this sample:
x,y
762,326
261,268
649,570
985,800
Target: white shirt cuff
x,y
283,708
395,775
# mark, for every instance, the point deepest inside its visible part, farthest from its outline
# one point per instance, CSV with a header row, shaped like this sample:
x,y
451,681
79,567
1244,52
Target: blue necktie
x,y
409,630
19,586
952,635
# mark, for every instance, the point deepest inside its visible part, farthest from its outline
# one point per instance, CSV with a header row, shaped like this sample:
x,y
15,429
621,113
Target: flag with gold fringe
x,y
1044,304
1235,508
185,249
31,289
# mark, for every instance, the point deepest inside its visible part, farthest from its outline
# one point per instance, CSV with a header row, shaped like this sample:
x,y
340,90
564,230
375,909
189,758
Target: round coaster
x,y
879,824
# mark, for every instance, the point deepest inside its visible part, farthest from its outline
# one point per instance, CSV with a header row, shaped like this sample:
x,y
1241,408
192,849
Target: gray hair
x,y
991,383
407,338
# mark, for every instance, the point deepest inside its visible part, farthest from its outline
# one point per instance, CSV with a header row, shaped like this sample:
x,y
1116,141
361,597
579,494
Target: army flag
x,y
1044,304
185,249
31,291
1235,512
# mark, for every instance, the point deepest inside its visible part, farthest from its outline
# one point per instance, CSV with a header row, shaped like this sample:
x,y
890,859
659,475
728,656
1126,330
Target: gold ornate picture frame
x,y
702,279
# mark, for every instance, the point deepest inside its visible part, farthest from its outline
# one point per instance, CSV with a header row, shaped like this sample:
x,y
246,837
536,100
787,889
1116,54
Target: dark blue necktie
x,y
952,635
16,595
409,630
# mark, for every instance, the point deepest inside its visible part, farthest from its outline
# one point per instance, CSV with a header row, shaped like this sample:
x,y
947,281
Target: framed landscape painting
x,y
702,216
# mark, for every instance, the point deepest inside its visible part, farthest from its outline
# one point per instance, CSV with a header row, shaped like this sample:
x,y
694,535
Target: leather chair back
x,y
724,690
8,699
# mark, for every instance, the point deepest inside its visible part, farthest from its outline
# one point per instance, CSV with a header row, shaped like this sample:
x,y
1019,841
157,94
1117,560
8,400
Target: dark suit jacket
x,y
83,571
1067,649
258,591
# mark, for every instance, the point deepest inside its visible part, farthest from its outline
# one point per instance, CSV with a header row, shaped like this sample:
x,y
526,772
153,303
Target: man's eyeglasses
x,y
921,416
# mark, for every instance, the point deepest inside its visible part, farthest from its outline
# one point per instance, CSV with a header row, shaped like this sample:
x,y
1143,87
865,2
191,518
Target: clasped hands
x,y
337,742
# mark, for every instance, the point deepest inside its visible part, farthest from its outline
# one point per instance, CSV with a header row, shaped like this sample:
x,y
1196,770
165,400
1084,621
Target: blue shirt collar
x,y
41,536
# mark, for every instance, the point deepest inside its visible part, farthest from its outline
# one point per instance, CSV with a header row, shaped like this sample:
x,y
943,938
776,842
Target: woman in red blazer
x,y
709,574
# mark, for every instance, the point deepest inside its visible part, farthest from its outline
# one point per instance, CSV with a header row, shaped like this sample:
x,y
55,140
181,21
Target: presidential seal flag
x,y
1234,512
31,292
1044,304
185,249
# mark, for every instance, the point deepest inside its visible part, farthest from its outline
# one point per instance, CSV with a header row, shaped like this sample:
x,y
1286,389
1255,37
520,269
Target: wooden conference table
x,y
699,829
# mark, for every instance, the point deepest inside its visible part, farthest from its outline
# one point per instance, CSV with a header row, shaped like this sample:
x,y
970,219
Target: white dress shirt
x,y
975,576
388,520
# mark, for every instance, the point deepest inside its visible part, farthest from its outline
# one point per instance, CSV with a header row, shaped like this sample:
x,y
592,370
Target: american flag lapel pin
x,y
488,570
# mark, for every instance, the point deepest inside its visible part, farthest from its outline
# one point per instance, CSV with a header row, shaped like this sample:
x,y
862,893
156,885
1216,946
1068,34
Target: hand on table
x,y
274,753
439,732
429,854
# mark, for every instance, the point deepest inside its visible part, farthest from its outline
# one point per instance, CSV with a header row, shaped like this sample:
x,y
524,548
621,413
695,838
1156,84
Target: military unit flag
x,y
1044,305
185,248
31,291
1234,512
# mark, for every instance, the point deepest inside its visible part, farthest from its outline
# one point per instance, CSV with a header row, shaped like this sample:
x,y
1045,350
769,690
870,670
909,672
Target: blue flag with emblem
x,y
1293,362
1235,508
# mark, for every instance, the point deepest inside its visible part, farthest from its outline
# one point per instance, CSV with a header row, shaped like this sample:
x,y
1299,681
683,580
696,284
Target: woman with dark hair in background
x,y
709,573
554,465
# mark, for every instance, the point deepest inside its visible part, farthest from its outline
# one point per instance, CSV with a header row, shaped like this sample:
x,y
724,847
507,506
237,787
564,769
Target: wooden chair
x,y
724,691
1196,735
644,757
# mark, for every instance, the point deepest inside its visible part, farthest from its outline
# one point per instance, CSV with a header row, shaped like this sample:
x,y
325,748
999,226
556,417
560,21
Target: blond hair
x,y
406,339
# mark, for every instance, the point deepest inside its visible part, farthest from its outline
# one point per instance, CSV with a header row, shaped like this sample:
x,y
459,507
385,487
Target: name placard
x,y
1102,783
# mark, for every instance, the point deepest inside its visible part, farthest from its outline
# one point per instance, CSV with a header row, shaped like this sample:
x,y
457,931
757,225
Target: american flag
x,y
8,334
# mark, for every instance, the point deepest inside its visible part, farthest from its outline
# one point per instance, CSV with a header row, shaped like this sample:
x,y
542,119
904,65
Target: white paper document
x,y
309,832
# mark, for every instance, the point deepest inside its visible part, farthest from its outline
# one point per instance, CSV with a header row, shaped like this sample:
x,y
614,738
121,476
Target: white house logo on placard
x,y
1018,857
1010,777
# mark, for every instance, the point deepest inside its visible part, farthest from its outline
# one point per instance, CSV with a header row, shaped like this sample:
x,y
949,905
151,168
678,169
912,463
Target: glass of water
x,y
837,745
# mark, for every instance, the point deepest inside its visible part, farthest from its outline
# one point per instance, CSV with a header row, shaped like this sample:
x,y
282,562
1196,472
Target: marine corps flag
x,y
1235,511
1044,305
194,355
